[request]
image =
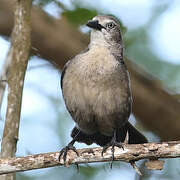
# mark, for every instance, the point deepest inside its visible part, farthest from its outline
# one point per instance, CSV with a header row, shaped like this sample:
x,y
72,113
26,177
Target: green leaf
x,y
79,16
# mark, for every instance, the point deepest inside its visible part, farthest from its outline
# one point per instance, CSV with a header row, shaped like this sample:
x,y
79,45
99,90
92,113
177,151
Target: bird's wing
x,y
63,72
67,64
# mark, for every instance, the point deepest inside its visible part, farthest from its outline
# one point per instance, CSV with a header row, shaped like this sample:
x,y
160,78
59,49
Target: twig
x,y
18,55
133,164
4,75
130,153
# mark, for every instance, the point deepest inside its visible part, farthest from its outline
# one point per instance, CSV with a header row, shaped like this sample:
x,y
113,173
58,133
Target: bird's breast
x,y
96,91
98,65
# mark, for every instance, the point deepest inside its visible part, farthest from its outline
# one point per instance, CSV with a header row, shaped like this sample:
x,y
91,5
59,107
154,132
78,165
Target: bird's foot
x,y
65,150
113,143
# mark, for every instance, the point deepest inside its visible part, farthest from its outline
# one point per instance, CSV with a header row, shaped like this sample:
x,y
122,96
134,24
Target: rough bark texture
x,y
130,153
57,41
19,53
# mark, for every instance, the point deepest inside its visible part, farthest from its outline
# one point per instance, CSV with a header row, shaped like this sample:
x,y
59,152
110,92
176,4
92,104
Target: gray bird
x,y
96,90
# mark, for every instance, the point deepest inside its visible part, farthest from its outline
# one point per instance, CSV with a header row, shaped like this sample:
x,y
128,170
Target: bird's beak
x,y
94,24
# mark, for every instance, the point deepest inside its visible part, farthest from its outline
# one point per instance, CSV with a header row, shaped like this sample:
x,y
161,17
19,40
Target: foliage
x,y
79,16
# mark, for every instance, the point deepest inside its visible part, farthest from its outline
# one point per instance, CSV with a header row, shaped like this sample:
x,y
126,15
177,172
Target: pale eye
x,y
110,25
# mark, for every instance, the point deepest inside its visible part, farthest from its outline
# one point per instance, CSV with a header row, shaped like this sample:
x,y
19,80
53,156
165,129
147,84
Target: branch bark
x,y
18,55
130,153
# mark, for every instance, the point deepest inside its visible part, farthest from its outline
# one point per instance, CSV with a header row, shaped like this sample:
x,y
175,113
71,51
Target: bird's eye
x,y
110,25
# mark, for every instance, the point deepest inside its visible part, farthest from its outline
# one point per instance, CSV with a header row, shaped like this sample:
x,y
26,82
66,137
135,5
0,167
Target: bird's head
x,y
105,29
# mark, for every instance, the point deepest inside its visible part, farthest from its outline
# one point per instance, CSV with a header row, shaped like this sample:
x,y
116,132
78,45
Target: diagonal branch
x,y
133,152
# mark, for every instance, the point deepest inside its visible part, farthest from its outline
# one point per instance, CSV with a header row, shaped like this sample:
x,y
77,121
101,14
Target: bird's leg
x,y
112,143
70,146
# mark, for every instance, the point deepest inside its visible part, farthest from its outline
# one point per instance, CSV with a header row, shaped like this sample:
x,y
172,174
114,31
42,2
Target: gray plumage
x,y
96,87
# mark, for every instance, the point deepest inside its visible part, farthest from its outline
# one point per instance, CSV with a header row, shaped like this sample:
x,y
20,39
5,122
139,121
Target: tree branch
x,y
133,152
18,58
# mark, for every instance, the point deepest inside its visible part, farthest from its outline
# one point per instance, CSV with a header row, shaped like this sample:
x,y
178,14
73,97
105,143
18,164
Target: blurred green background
x,y
151,31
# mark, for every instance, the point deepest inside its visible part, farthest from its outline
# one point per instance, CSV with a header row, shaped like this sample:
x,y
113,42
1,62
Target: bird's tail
x,y
135,137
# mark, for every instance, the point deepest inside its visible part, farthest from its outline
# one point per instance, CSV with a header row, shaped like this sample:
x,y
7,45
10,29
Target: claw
x,y
117,144
105,148
113,143
65,150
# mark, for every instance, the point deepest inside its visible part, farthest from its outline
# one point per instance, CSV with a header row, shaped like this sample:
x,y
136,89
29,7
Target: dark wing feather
x,y
63,72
